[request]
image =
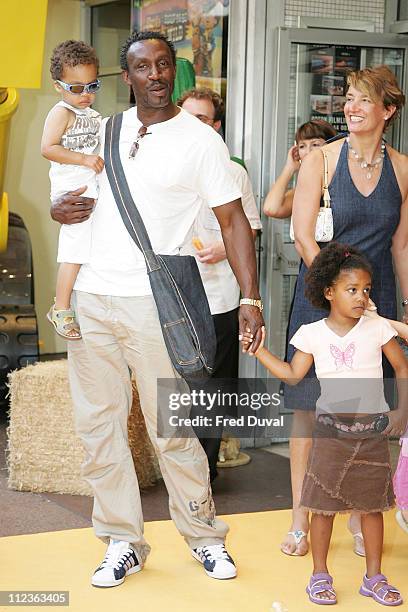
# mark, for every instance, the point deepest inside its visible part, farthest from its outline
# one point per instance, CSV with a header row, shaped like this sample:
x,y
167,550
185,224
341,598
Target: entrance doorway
x,y
310,76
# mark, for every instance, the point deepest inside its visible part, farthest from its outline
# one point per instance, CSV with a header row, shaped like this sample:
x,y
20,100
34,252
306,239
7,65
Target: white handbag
x,y
324,222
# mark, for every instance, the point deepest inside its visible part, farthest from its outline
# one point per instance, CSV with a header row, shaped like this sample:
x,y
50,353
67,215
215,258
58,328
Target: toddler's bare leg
x,y
66,278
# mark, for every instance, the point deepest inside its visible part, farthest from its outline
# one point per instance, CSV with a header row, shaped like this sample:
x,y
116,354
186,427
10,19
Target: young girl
x,y
71,142
349,465
311,135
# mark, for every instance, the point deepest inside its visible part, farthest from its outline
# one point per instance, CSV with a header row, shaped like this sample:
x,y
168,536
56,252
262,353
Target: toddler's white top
x,y
81,137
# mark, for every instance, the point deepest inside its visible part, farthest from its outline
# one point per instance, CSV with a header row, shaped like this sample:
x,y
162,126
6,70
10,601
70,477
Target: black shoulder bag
x,y
178,290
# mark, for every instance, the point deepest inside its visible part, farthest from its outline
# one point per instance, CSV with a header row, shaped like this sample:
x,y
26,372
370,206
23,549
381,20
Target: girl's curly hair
x,y
327,266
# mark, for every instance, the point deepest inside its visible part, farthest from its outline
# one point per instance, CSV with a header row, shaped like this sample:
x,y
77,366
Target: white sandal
x,y
298,536
359,548
401,520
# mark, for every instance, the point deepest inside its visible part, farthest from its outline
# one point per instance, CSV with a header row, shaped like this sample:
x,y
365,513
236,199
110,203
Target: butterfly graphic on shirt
x,y
343,357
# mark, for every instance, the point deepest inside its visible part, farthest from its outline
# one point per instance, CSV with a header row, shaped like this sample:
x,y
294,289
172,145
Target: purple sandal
x,y
369,584
319,583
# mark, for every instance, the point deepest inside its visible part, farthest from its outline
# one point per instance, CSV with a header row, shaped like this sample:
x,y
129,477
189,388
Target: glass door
x,y
312,84
110,26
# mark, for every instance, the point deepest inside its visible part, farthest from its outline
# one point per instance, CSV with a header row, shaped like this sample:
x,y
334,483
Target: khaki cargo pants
x,y
122,333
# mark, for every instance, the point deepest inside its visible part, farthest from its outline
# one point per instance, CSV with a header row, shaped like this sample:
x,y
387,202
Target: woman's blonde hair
x,y
381,85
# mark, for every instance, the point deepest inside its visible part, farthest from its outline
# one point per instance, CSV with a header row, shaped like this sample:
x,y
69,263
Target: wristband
x,y
251,302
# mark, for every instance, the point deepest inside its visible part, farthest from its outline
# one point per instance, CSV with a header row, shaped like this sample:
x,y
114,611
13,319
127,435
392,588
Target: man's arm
x,y
71,208
239,245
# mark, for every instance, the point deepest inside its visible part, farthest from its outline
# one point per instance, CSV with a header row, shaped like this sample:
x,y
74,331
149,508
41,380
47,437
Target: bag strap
x,y
325,191
121,192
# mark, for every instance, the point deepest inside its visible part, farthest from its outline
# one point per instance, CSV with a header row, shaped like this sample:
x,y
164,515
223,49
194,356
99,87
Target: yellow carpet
x,y
172,581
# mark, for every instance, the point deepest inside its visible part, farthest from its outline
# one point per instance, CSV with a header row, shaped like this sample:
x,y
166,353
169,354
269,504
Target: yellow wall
x,y
21,42
27,180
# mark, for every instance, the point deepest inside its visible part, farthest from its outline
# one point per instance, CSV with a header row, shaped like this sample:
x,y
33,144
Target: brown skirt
x,y
347,471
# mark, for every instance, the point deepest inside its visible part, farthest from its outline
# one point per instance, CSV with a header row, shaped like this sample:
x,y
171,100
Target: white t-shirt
x,y
353,359
180,164
219,281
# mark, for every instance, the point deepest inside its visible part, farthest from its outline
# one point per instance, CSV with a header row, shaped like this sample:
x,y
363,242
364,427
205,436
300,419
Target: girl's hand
x,y
397,423
371,310
246,339
94,162
261,345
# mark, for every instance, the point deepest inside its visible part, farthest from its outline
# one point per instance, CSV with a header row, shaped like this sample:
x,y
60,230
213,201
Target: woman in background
x,y
368,185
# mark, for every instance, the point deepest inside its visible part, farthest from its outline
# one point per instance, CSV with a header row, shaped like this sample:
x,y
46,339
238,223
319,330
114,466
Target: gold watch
x,y
251,302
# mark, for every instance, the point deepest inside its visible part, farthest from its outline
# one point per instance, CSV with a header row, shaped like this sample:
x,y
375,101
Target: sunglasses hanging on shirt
x,y
135,146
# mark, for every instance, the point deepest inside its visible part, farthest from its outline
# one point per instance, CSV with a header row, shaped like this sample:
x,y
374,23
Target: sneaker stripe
x,y
216,561
115,566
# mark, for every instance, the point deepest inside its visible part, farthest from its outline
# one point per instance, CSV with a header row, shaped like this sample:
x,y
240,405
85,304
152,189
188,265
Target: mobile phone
x,y
381,423
295,153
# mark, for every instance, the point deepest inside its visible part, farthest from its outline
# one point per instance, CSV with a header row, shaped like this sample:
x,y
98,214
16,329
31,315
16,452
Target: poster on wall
x,y
195,27
329,66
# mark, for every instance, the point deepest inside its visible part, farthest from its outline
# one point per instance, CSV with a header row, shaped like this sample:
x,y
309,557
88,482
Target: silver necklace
x,y
365,165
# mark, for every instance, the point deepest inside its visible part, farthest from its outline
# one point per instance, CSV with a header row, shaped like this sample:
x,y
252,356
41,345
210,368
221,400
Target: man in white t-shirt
x,y
219,281
171,170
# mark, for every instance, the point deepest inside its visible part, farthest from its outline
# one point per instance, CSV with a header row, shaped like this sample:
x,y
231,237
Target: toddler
x,y
71,142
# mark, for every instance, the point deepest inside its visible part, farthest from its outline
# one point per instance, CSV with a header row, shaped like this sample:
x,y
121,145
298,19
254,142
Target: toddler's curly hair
x,y
326,267
71,53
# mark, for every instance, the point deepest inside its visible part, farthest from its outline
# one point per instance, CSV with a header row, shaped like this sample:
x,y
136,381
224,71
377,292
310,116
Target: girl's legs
x,y
66,278
299,446
321,527
372,526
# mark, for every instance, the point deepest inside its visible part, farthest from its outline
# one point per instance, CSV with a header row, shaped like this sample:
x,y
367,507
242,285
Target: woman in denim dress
x,y
368,185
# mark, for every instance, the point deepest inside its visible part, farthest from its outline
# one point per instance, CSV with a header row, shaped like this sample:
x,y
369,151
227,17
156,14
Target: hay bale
x,y
44,453
144,457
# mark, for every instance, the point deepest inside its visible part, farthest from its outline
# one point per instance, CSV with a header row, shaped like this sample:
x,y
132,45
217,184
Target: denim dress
x,y
367,223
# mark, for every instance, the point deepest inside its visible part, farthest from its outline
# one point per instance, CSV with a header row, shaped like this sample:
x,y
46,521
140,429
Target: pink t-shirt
x,y
357,356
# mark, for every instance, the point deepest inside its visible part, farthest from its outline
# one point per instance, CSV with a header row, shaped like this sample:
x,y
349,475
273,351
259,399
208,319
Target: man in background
x,y
219,281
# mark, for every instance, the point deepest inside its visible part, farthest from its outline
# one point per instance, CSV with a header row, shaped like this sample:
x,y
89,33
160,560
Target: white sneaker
x,y
217,562
120,561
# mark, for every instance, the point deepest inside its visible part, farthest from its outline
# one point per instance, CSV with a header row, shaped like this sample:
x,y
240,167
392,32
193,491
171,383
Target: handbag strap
x,y
325,191
121,192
